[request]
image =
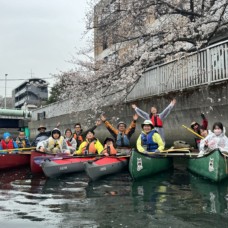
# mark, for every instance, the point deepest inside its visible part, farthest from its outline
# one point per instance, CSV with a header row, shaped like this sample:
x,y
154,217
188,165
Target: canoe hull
x,y
105,166
58,167
36,169
212,166
141,165
8,161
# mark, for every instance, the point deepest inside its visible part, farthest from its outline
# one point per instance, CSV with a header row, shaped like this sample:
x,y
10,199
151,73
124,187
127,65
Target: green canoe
x,y
141,165
213,165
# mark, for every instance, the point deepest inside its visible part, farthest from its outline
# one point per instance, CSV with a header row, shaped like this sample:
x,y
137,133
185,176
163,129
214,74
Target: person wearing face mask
x,y
216,140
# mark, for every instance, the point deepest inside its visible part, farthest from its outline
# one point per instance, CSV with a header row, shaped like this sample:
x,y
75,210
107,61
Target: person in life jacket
x,y
215,140
196,128
155,118
43,134
109,148
122,134
7,142
71,142
79,135
22,141
149,140
54,144
91,145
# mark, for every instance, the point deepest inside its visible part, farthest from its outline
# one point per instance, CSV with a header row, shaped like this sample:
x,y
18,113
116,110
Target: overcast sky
x,y
38,36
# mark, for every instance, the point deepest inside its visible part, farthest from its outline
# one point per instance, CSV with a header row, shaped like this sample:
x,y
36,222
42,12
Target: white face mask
x,y
217,131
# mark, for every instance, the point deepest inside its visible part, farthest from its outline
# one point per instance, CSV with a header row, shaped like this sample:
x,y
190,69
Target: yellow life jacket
x,y
53,143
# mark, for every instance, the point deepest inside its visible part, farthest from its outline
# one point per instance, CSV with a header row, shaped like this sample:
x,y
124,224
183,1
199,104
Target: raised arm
x,y
140,112
113,131
131,129
167,110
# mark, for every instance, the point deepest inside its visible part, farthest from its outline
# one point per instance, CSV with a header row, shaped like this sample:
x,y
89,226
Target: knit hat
x,y
121,122
55,130
6,135
147,122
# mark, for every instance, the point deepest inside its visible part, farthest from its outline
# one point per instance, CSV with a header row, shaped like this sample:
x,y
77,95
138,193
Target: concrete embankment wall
x,y
212,100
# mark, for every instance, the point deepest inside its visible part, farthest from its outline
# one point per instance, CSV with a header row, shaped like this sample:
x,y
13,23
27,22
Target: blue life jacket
x,y
147,140
122,140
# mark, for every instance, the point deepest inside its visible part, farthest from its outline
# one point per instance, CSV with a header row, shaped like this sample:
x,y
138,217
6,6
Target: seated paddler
x,y
90,145
7,142
149,140
109,148
54,144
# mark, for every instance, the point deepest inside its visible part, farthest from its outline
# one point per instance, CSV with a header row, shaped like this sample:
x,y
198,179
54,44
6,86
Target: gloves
x,y
203,116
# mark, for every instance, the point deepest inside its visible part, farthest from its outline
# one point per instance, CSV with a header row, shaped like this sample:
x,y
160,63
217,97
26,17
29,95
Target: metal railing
x,y
206,66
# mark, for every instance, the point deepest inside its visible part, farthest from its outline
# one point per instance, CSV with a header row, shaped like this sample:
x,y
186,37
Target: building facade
x,y
33,91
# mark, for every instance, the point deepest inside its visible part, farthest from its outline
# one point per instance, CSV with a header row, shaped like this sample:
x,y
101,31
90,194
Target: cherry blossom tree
x,y
137,34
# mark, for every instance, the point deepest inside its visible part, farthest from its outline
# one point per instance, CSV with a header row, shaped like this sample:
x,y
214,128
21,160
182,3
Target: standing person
x,y
43,134
90,145
216,140
155,118
54,144
22,141
71,142
149,140
7,142
196,128
122,134
79,134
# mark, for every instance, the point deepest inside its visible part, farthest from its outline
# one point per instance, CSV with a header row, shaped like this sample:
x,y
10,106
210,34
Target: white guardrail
x,y
206,66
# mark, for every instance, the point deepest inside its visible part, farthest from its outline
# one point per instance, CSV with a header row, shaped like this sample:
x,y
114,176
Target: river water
x,y
172,199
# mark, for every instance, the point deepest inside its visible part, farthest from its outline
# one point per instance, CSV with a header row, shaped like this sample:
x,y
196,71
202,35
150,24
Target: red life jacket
x,y
156,121
8,145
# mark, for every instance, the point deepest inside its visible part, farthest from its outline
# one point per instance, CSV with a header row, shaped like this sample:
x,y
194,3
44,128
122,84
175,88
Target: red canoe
x,y
8,161
33,166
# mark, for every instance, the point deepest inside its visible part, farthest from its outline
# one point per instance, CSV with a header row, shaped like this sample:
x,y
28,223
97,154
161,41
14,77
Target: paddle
x,y
193,132
5,151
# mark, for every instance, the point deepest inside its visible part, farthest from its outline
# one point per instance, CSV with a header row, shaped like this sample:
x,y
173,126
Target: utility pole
x,y
5,89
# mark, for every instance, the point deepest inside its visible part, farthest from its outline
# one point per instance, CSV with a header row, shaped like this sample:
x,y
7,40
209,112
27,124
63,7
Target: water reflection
x,y
213,195
171,199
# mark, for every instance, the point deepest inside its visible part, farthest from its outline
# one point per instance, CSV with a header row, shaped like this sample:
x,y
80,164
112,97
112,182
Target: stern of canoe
x,y
141,165
213,166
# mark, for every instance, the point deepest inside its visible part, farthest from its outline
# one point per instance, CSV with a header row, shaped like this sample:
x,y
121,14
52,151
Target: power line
x,y
23,79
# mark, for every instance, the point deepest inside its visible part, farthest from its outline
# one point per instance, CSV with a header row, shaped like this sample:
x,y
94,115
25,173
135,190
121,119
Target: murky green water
x,y
172,199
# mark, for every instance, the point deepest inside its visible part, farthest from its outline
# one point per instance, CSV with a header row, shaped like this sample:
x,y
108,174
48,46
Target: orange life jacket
x,y
78,138
110,149
156,121
8,145
89,148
